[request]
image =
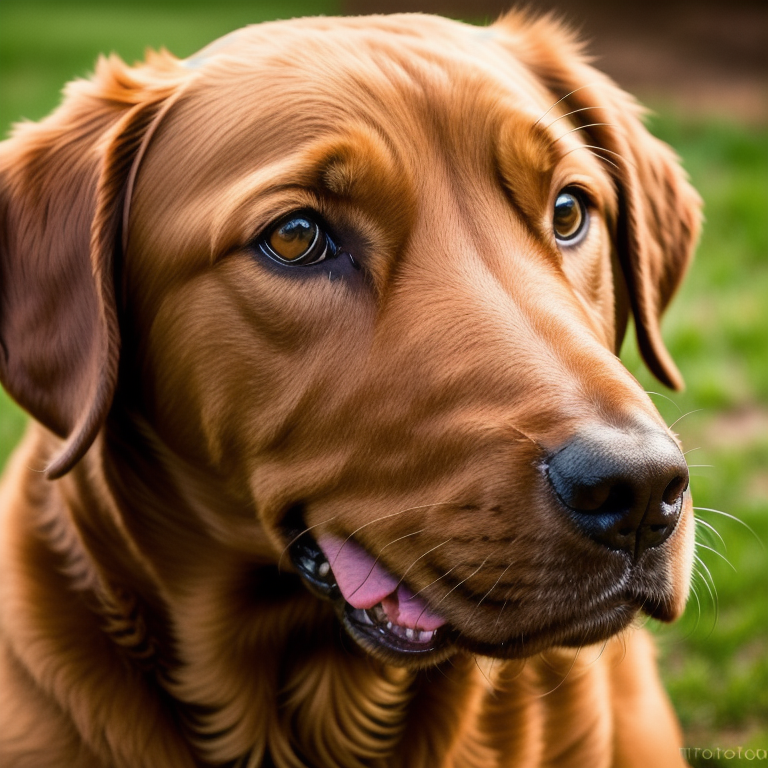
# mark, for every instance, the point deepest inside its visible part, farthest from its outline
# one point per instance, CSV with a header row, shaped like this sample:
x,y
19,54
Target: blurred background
x,y
702,67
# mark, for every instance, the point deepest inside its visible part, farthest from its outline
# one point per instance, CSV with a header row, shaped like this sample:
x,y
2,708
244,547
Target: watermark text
x,y
732,753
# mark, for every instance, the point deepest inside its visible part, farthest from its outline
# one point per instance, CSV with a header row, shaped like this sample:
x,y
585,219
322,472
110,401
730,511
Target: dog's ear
x,y
63,187
659,212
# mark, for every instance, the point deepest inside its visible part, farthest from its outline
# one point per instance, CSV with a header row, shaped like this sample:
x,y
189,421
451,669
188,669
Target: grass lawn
x,y
715,660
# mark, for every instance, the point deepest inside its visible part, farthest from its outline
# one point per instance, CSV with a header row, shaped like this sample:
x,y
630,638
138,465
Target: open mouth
x,y
382,614
376,607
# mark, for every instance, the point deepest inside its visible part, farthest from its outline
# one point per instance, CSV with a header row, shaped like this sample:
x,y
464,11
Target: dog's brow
x,y
358,162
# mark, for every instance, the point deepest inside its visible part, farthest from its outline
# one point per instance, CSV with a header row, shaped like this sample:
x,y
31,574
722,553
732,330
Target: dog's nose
x,y
623,489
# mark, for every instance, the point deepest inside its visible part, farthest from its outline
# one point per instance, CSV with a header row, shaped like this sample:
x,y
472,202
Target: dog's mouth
x,y
378,610
381,613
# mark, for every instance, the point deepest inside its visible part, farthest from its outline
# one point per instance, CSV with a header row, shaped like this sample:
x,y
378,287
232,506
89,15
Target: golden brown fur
x,y
190,397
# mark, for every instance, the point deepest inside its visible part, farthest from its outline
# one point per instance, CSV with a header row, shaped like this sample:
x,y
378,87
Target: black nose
x,y
623,489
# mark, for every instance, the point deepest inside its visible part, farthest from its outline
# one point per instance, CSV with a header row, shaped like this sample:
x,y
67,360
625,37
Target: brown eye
x,y
297,239
570,220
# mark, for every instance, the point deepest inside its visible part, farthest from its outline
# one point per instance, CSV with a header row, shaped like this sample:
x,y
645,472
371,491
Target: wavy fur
x,y
194,403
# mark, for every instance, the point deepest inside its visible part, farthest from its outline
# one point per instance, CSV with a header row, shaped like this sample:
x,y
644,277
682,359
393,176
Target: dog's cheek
x,y
239,363
592,271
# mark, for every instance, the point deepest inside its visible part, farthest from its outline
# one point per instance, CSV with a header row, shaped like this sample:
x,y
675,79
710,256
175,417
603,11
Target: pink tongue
x,y
364,582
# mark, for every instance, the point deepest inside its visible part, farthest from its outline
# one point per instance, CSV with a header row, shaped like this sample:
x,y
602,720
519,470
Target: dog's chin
x,y
394,644
374,631
447,641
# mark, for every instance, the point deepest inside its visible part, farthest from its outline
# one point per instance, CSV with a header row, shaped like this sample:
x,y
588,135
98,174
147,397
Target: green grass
x,y
715,660
44,43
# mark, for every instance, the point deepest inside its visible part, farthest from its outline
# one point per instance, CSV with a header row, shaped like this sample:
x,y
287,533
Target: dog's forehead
x,y
354,65
379,112
427,86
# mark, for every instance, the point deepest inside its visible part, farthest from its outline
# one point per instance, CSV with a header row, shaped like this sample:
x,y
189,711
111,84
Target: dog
x,y
332,460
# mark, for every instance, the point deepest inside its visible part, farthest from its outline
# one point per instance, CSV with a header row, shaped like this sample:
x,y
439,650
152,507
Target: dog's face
x,y
373,280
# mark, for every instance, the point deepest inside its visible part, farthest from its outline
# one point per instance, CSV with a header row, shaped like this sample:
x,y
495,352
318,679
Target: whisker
x,y
605,160
602,651
394,541
521,668
487,680
698,604
573,112
713,597
623,647
709,582
559,101
660,394
386,517
719,554
490,590
701,521
732,517
456,586
419,558
697,410
494,690
642,620
691,450
565,677
689,633
602,149
701,466
589,148
450,570
498,618
584,127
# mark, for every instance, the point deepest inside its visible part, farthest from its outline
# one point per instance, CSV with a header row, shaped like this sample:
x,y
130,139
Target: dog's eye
x,y
570,219
297,239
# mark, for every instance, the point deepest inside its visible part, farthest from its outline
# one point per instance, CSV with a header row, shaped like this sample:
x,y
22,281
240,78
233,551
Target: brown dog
x,y
334,461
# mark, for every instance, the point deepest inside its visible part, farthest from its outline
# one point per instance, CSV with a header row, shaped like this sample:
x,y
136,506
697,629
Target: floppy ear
x,y
659,212
63,186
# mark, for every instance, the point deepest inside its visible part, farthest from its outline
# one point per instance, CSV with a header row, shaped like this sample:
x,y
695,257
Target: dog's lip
x,y
414,631
371,626
592,628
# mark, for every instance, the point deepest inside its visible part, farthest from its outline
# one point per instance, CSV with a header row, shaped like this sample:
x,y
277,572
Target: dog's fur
x,y
191,397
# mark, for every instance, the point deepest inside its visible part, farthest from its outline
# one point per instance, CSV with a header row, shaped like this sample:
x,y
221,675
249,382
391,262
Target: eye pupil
x,y
570,216
294,238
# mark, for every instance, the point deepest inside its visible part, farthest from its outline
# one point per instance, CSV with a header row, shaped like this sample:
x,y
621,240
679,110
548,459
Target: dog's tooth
x,y
409,634
426,635
324,569
379,614
389,625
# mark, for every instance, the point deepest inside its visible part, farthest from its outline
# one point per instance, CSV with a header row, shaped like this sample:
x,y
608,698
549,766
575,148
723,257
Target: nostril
x,y
606,497
623,489
675,489
588,497
620,499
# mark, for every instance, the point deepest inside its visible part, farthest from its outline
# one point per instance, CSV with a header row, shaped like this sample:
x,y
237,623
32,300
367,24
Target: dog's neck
x,y
240,660
234,642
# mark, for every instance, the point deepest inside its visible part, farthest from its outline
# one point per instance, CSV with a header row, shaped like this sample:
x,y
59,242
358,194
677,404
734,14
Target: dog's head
x,y
366,280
